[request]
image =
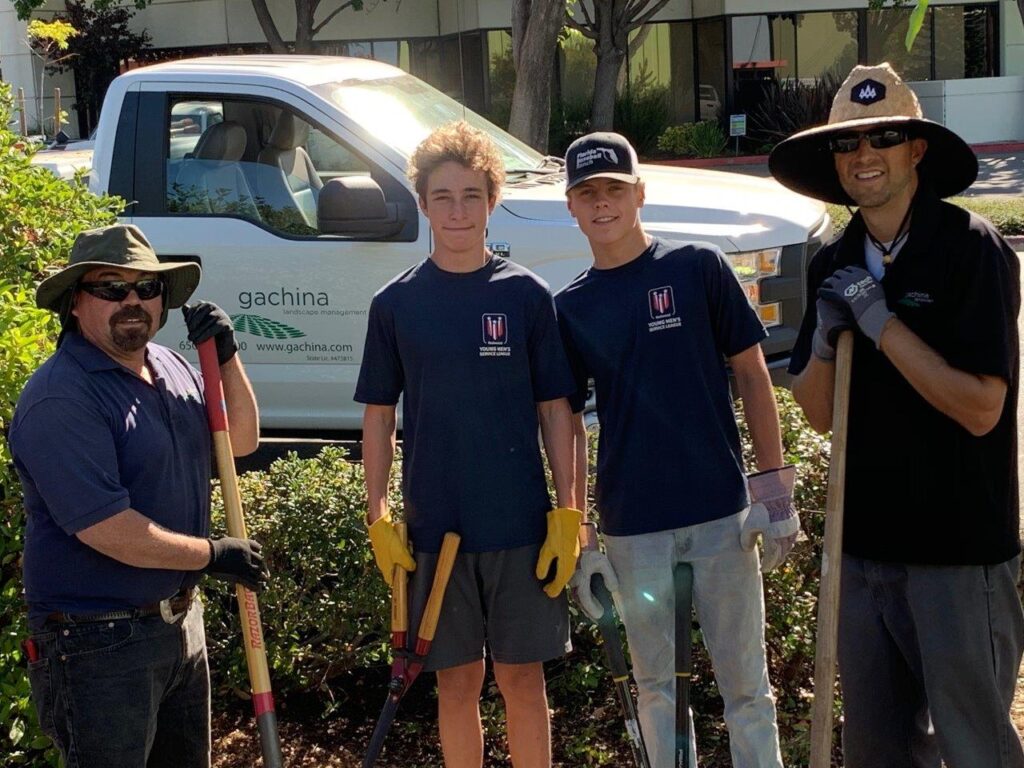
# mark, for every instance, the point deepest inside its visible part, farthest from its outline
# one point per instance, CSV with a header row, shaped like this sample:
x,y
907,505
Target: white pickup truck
x,y
285,177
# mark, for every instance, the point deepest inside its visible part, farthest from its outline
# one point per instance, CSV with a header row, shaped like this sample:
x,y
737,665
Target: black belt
x,y
171,609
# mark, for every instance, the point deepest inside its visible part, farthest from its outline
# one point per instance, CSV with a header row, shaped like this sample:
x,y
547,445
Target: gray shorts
x,y
493,600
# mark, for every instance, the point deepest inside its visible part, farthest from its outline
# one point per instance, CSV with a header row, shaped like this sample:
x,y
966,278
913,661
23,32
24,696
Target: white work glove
x,y
592,562
772,515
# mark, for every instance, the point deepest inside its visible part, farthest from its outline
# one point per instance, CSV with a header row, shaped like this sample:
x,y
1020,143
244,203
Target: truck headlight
x,y
751,267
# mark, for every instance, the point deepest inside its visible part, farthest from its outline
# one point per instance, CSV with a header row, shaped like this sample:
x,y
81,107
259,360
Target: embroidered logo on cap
x,y
590,156
867,92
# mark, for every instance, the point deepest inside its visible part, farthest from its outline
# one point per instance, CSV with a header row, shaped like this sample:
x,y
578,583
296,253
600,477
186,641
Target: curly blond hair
x,y
457,142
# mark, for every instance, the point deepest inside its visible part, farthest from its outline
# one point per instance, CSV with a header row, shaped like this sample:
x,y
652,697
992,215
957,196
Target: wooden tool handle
x,y
400,589
252,626
831,564
445,562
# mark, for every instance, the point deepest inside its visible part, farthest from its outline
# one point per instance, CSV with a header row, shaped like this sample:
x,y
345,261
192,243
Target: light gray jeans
x,y
928,660
729,600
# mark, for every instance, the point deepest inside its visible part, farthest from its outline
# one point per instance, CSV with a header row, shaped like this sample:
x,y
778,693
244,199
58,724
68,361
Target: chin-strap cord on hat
x,y
902,232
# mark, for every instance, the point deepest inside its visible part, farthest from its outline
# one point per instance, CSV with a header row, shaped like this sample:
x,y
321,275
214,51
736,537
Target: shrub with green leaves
x,y
40,216
325,611
707,139
675,140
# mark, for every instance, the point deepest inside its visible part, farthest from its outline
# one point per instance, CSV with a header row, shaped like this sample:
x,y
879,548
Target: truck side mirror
x,y
355,206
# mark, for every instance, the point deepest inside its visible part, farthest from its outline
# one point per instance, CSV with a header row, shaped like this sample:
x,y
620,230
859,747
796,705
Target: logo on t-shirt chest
x,y
661,303
495,335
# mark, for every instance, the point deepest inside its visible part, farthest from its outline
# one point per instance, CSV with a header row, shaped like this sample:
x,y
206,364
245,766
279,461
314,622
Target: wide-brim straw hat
x,y
119,245
872,96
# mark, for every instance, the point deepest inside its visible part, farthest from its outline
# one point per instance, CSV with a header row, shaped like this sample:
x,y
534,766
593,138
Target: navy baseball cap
x,y
603,155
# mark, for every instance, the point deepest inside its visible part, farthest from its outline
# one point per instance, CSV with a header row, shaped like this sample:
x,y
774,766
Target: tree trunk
x,y
535,27
304,12
277,44
602,113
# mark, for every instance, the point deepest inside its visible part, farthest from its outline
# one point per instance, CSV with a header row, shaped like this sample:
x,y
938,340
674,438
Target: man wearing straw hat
x,y
110,441
930,629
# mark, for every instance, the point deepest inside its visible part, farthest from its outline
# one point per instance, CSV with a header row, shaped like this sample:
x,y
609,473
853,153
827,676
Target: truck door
x,y
239,180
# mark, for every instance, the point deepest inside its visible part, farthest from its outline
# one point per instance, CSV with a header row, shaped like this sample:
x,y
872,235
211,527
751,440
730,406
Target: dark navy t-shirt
x,y
91,439
653,335
473,354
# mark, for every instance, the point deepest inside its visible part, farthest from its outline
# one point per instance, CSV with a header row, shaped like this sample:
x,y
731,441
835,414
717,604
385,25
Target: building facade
x,y
707,58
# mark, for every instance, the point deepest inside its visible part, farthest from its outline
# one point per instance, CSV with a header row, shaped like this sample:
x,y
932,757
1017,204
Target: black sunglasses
x,y
878,138
118,290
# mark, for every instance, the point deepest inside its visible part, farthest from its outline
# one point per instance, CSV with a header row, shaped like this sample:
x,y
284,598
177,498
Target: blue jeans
x,y
129,693
729,600
928,661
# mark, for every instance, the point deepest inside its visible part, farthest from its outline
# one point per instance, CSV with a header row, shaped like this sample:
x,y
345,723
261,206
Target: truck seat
x,y
292,181
211,180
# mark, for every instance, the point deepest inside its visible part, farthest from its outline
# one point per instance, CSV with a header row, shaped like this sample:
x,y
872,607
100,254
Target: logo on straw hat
x,y
867,92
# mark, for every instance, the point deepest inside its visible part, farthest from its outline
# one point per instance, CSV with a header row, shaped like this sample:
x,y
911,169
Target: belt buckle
x,y
167,612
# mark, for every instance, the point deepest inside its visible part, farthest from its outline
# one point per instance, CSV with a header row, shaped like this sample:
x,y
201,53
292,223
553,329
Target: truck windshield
x,y
402,110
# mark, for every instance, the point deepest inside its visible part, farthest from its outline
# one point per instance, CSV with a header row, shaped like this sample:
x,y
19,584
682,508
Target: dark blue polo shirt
x,y
473,354
91,439
653,335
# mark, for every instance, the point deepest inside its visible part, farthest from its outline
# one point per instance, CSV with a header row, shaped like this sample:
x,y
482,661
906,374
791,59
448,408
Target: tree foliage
x,y
40,216
105,40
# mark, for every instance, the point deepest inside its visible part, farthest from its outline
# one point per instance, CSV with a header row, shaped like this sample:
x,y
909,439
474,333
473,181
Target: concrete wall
x,y
979,110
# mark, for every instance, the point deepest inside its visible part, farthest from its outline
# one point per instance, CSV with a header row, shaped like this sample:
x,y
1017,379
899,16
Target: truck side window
x,y
253,160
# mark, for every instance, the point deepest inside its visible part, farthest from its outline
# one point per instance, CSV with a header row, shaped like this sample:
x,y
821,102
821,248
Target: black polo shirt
x,y
919,487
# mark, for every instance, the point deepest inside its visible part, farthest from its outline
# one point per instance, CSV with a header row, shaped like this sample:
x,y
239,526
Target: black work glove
x,y
237,561
205,320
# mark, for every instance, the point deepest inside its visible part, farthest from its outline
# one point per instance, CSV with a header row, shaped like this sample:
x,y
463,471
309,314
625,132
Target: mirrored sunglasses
x,y
878,138
118,290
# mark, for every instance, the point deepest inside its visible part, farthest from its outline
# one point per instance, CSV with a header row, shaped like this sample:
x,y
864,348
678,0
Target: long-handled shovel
x,y
406,666
252,629
831,564
683,577
620,673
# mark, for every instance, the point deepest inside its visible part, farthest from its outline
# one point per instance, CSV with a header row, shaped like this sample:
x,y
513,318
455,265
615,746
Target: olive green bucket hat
x,y
870,96
119,245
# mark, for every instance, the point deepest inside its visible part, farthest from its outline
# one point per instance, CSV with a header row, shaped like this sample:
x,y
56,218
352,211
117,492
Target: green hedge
x,y
40,216
1006,213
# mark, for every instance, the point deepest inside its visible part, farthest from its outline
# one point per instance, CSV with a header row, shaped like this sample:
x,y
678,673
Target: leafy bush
x,y
788,106
641,115
707,139
40,215
326,608
703,139
675,140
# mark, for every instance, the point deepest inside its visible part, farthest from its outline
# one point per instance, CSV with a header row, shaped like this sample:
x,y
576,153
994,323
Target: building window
x,y
965,38
886,32
661,56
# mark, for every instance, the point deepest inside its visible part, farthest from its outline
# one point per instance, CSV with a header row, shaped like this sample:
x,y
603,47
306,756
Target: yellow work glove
x,y
388,549
562,542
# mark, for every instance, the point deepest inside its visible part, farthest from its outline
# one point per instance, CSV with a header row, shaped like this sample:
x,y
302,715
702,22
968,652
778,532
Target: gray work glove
x,y
205,320
237,561
591,562
855,290
832,320
771,515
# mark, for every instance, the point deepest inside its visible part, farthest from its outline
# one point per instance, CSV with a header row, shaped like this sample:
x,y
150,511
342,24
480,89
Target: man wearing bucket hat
x,y
653,324
110,441
930,629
